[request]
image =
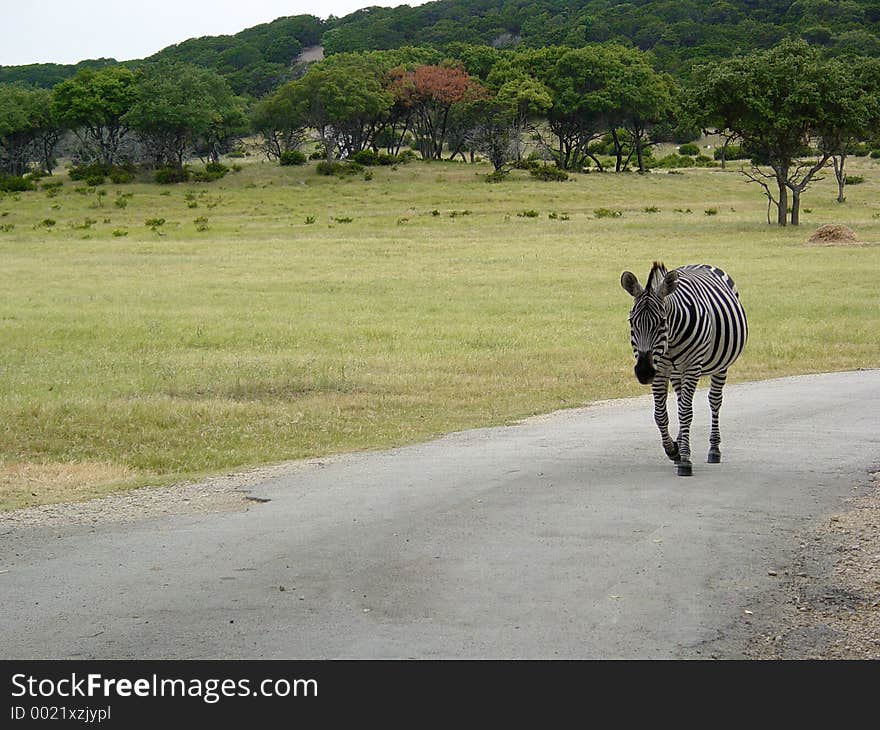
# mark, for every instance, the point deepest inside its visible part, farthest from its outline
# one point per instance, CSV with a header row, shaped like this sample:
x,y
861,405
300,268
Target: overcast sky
x,y
67,31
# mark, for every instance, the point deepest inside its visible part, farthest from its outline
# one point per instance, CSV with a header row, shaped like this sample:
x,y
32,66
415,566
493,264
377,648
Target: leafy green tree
x,y
344,100
94,104
280,120
179,104
28,129
855,106
527,97
779,102
642,98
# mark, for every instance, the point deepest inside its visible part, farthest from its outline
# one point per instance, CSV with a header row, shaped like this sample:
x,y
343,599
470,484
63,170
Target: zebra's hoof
x,y
685,469
673,453
714,456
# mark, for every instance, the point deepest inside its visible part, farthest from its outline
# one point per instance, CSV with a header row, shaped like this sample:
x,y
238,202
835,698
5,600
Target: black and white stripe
x,y
684,324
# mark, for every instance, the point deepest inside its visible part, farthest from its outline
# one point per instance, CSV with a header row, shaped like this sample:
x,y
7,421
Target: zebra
x,y
685,323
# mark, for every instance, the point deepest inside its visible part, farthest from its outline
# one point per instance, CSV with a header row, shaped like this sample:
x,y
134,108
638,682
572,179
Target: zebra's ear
x,y
630,283
668,285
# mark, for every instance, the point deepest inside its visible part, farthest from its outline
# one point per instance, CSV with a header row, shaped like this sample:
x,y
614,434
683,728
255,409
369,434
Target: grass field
x,y
419,302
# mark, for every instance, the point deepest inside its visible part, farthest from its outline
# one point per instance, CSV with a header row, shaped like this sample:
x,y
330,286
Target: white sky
x,y
67,31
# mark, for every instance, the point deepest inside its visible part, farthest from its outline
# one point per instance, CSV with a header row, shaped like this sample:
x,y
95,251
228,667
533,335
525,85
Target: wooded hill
x,y
680,33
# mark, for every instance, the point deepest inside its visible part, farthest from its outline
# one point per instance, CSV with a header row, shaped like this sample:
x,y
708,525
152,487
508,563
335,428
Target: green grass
x,y
242,333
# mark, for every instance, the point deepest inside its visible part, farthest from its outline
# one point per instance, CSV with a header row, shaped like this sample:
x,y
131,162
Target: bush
x,y
689,149
733,152
366,157
607,213
530,164
171,175
213,171
13,184
673,160
292,157
875,154
338,168
548,173
95,170
854,179
120,176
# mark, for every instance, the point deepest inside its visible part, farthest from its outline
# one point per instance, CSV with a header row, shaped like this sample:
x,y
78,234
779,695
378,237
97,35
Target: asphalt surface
x,y
566,536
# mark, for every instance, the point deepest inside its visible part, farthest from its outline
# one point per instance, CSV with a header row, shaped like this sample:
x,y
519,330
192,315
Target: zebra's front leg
x,y
717,384
660,388
689,382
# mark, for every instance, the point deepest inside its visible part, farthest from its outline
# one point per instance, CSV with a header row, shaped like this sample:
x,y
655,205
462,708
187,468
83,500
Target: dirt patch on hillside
x,y
833,234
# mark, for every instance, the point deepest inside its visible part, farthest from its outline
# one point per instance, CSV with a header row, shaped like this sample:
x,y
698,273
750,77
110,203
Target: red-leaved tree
x,y
430,93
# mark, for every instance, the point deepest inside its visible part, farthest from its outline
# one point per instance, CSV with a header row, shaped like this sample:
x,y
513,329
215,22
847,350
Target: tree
x,y
94,103
280,120
492,130
28,129
344,101
430,93
779,102
857,98
520,91
641,97
176,106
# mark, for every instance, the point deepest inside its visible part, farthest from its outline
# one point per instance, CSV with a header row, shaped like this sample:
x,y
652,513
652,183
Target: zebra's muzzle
x,y
644,369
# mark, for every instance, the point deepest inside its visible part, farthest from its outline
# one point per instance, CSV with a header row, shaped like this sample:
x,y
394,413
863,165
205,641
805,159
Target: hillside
x,y
678,32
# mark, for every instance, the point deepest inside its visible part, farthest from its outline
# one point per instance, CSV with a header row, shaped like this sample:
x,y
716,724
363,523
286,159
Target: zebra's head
x,y
647,318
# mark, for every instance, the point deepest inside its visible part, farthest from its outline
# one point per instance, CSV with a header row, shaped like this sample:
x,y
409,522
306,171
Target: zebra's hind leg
x,y
715,396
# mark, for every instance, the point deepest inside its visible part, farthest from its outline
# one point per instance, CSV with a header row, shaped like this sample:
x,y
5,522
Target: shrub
x,y
171,175
607,213
673,160
854,179
711,211
366,157
875,154
338,168
528,214
94,180
14,184
120,176
213,171
651,209
496,176
530,164
548,173
689,149
154,222
292,157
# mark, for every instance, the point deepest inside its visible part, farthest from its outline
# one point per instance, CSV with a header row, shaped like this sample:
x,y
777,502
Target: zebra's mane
x,y
655,278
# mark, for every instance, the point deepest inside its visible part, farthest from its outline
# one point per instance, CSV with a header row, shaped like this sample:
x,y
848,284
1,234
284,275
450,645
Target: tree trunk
x,y
618,151
839,162
795,207
782,205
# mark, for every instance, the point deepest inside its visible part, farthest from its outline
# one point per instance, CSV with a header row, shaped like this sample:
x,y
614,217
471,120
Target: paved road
x,y
566,536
